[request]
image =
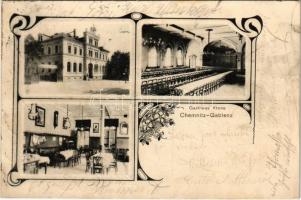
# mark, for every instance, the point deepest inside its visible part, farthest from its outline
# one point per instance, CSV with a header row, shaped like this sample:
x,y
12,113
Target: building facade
x,y
65,56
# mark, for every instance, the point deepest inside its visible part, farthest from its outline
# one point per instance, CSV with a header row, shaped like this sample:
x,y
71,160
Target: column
x,y
103,130
238,61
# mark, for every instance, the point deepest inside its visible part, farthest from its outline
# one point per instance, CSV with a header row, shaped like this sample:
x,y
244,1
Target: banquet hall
x,y
82,139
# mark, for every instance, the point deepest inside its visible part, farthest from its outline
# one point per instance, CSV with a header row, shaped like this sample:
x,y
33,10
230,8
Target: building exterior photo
x,y
64,57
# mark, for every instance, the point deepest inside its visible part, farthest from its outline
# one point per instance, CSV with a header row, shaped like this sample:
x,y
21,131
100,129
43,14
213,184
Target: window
x,y
49,70
49,63
49,50
95,68
74,67
75,50
56,49
80,51
90,41
69,49
90,53
68,66
42,50
56,63
96,43
152,57
96,54
80,67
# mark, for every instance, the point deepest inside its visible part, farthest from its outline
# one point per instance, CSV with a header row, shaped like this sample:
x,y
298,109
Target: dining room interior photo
x,y
82,139
193,59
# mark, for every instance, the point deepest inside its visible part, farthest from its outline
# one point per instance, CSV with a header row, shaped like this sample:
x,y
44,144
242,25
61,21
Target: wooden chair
x,y
97,165
88,163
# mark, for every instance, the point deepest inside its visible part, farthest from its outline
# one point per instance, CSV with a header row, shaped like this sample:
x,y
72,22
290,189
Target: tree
x,y
118,67
33,48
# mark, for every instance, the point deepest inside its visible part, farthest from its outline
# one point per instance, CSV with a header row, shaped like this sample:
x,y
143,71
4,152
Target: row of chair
x,y
155,72
166,84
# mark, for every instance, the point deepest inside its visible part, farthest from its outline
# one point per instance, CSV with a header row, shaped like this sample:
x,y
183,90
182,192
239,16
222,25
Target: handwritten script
x,y
278,162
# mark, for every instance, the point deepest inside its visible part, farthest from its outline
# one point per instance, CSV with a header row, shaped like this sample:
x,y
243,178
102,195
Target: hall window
x,y
56,49
69,49
74,67
80,67
152,57
68,66
179,57
49,50
80,51
96,68
75,50
168,58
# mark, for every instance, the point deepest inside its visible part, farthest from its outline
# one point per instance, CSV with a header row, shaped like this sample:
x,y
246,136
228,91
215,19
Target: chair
x,y
97,165
114,165
88,163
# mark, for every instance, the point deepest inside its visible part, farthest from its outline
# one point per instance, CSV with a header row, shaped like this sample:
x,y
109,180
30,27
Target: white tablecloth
x,y
196,84
68,153
35,157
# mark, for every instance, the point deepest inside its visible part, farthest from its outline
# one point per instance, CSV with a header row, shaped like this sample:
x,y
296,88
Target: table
x,y
33,161
184,89
68,154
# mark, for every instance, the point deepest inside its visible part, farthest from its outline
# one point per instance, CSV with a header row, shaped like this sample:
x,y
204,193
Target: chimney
x,y
74,32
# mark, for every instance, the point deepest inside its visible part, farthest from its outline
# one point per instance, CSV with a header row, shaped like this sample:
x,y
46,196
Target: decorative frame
x,y
95,127
40,118
251,26
124,125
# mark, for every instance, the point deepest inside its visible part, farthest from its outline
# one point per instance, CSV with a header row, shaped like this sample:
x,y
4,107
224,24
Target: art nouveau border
x,y
250,26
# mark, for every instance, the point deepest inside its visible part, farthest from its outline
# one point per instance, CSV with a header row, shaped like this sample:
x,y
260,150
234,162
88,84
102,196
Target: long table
x,y
154,85
190,87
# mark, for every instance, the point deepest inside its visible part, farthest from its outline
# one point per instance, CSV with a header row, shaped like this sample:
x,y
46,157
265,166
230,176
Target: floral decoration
x,y
153,120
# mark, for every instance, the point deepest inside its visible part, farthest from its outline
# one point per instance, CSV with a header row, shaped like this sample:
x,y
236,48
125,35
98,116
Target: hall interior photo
x,y
77,139
192,59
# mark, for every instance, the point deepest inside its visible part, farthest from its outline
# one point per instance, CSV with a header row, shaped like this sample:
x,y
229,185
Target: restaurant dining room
x,y
78,139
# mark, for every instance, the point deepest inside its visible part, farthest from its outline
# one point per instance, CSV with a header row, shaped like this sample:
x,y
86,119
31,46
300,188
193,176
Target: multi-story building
x,y
65,56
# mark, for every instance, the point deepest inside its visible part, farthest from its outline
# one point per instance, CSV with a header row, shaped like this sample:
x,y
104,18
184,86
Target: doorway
x,y
90,73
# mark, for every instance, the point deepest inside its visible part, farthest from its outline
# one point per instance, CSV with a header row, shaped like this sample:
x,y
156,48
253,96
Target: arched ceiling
x,y
196,30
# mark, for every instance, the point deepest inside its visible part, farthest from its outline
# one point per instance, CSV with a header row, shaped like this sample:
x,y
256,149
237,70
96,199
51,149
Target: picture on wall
x,y
40,118
95,127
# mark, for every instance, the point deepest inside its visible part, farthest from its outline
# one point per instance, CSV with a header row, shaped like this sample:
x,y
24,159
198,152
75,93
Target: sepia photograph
x,y
77,57
77,139
192,58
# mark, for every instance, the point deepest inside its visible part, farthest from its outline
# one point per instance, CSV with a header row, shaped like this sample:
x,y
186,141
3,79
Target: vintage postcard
x,y
150,99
